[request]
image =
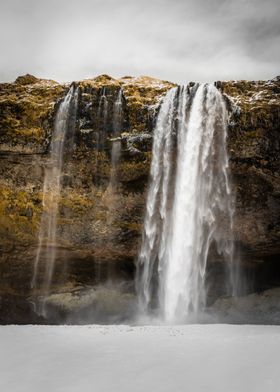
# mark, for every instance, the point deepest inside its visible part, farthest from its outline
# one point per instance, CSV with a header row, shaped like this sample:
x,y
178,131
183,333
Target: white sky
x,y
177,40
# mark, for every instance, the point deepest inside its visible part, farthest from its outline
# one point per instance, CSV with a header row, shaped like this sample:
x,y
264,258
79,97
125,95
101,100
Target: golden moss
x,y
25,106
76,202
131,170
19,214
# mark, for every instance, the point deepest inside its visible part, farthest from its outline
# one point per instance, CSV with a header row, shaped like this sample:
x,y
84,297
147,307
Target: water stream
x,y
47,240
189,203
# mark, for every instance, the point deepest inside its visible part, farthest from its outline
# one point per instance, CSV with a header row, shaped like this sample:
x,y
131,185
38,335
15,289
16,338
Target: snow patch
x,y
195,358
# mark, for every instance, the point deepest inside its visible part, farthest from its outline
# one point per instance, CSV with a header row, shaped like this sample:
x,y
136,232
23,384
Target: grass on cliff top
x,y
25,105
142,90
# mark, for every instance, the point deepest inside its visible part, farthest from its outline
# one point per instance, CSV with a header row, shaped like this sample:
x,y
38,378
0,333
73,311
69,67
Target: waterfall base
x,y
75,300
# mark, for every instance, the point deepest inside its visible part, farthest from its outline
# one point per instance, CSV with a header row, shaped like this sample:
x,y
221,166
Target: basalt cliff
x,y
99,229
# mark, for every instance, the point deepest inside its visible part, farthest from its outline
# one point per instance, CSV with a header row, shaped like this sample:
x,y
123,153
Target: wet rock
x,y
26,79
257,308
83,305
17,310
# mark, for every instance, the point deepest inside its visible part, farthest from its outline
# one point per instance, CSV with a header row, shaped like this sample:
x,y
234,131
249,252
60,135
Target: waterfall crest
x,y
62,138
189,206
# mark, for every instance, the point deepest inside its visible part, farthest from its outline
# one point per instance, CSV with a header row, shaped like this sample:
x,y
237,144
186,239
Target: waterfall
x,y
116,142
111,195
117,122
160,167
62,137
103,115
118,113
189,206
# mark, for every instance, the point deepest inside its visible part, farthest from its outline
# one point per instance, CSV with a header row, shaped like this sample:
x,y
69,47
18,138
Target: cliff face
x,y
254,150
99,227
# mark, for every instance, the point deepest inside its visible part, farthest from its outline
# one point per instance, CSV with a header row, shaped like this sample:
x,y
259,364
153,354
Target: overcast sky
x,y
177,40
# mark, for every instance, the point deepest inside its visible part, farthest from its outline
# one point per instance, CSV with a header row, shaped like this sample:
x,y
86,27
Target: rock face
x,y
99,230
254,148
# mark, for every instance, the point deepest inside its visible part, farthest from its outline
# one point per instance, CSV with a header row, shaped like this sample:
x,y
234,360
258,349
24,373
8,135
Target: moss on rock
x,y
27,113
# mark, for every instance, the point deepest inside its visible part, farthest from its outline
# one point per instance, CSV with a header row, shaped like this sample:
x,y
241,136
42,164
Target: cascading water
x,y
62,137
118,113
110,117
188,212
103,115
105,126
155,226
116,143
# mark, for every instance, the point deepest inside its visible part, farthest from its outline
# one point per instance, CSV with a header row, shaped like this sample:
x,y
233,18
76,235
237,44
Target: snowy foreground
x,y
226,358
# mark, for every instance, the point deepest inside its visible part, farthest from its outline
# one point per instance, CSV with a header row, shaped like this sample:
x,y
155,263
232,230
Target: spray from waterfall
x,y
62,137
189,204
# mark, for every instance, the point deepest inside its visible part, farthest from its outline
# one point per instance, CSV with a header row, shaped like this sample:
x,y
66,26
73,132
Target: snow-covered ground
x,y
212,358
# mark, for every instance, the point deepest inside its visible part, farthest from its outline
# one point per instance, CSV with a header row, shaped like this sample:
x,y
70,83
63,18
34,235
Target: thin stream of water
x,y
47,245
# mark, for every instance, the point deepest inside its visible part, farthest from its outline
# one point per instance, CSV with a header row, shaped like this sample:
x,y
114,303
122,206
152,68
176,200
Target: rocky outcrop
x,y
256,308
254,146
99,230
